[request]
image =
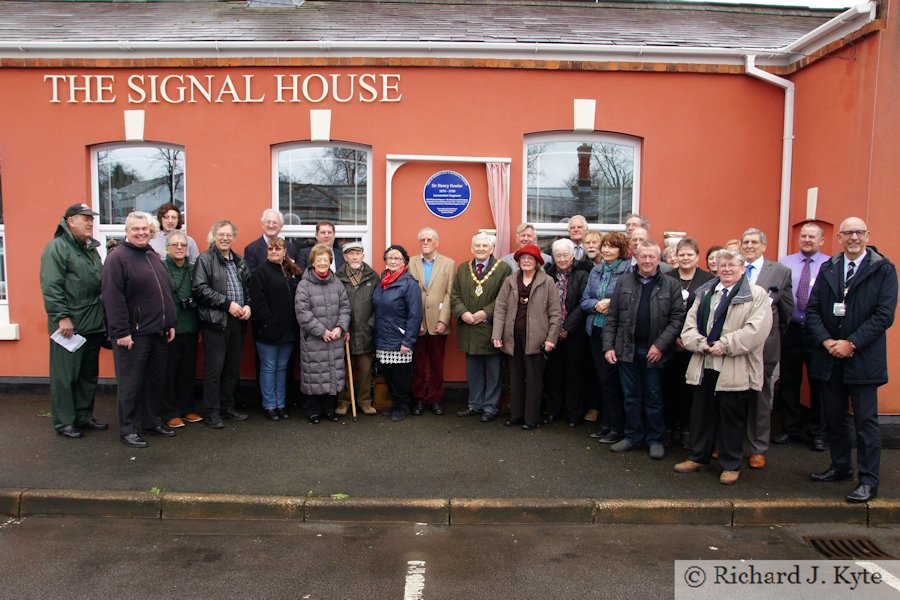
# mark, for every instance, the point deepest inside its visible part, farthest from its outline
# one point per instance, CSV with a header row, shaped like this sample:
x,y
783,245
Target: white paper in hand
x,y
71,343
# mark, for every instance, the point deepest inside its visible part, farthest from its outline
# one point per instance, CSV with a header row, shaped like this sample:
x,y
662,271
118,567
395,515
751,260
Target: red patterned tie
x,y
479,270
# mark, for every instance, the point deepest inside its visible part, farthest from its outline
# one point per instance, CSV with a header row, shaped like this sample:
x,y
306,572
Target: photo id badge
x,y
840,309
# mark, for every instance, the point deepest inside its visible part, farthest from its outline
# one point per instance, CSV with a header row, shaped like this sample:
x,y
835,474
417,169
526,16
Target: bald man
x,y
850,308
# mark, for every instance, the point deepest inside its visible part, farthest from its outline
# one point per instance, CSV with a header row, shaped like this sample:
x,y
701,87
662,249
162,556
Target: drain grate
x,y
847,548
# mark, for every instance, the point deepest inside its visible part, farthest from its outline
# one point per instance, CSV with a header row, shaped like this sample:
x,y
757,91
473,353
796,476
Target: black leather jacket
x,y
210,285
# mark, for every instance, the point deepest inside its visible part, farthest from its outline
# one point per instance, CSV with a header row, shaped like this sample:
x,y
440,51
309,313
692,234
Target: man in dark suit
x,y
324,235
256,252
851,306
775,278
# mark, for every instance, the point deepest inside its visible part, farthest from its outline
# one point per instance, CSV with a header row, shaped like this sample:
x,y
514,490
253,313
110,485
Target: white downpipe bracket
x,y
787,148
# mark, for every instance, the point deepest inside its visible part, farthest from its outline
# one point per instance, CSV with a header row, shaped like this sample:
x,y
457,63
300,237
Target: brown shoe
x,y
342,409
591,415
757,461
369,410
688,466
715,454
175,423
729,477
192,418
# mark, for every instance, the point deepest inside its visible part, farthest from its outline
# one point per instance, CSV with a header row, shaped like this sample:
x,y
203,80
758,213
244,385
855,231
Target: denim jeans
x,y
642,388
273,360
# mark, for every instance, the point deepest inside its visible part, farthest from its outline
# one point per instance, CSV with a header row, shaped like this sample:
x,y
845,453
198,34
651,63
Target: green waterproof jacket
x,y
362,312
181,278
70,282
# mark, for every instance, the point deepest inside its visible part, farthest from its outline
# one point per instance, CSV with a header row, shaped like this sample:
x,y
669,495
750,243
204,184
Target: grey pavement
x,y
427,457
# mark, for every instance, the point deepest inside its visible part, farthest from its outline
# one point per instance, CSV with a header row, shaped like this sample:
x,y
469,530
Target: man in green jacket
x,y
359,280
70,284
472,298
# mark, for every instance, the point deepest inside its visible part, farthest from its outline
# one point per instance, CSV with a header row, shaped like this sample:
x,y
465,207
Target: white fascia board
x,y
842,25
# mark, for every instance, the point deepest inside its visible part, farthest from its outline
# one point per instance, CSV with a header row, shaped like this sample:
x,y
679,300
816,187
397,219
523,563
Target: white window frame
x,y
104,231
8,331
4,299
561,229
308,231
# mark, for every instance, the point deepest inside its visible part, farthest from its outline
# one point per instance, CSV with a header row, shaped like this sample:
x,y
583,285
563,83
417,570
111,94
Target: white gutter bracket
x,y
787,147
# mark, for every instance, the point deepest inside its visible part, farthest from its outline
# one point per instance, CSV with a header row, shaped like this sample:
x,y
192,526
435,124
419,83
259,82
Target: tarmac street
x,y
49,557
444,463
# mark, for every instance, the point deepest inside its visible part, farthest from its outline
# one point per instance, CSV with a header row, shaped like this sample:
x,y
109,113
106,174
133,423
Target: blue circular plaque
x,y
447,194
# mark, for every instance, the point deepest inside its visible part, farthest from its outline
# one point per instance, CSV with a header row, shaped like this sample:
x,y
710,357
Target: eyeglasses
x,y
854,232
393,258
178,245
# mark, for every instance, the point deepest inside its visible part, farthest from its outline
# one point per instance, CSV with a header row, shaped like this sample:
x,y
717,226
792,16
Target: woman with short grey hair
x,y
323,312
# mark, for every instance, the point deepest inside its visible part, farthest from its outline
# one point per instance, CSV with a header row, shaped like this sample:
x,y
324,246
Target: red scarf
x,y
390,277
323,275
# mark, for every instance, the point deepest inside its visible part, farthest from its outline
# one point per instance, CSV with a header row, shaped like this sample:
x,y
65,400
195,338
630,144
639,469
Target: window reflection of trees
x,y
323,183
138,178
558,188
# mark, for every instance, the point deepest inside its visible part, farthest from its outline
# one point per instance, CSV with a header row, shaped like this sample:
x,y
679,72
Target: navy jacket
x,y
257,252
136,293
870,302
398,313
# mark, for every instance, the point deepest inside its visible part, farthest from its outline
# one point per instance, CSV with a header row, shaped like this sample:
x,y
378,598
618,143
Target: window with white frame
x,y
4,297
323,182
130,177
592,174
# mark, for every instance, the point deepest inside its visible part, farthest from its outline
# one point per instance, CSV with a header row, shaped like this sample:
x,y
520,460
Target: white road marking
x,y
415,580
886,577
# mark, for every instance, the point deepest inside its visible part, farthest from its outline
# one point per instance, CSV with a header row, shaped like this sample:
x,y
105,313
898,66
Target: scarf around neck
x,y
390,277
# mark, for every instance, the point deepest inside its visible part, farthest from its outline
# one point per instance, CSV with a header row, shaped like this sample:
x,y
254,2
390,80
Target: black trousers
x,y
864,399
728,410
610,385
526,382
399,381
796,418
222,370
564,378
181,371
678,396
320,404
140,374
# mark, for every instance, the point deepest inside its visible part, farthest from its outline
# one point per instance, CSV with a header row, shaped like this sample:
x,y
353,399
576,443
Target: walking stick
x,y
350,378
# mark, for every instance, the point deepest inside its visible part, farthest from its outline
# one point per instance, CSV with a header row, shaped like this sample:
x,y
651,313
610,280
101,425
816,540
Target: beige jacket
x,y
543,313
436,298
744,334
